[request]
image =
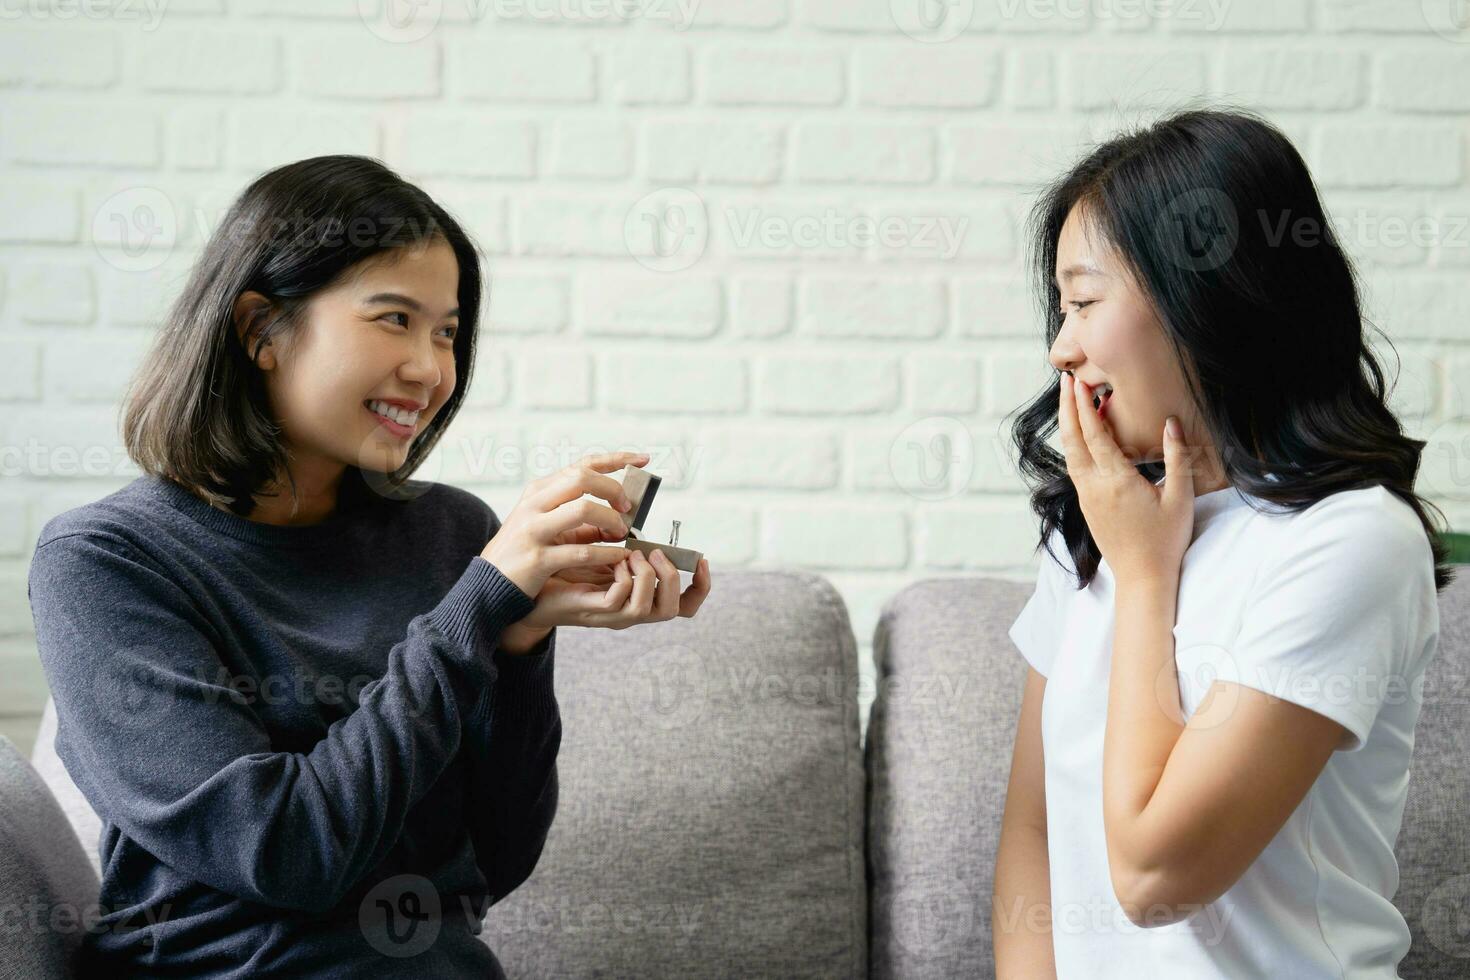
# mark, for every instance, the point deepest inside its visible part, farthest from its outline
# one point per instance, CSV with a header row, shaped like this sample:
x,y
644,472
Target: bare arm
x,y
1188,807
1020,919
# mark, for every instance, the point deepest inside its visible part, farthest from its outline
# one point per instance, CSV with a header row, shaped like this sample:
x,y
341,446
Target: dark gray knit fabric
x,y
307,752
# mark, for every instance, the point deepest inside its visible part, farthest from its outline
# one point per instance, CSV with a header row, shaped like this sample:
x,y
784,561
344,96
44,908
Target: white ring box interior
x,y
640,486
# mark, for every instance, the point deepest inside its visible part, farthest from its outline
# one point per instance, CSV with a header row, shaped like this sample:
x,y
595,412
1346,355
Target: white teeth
x,y
399,415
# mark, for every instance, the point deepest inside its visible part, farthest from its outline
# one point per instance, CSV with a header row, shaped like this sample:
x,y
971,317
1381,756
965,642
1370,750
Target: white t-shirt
x,y
1334,609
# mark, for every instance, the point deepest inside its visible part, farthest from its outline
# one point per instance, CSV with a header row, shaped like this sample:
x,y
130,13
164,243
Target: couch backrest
x,y
938,760
711,814
1433,848
48,892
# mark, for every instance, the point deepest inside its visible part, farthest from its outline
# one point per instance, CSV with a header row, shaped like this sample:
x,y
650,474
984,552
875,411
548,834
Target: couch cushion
x,y
48,892
938,760
711,816
1433,848
938,768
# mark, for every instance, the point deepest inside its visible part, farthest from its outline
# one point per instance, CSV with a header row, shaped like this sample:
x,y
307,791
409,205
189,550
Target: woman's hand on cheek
x,y
1141,529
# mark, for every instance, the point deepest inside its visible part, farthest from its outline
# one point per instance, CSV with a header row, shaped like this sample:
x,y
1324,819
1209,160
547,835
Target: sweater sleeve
x,y
511,797
168,750
510,750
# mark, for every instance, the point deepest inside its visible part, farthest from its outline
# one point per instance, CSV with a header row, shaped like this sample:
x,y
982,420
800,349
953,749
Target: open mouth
x,y
393,426
1101,396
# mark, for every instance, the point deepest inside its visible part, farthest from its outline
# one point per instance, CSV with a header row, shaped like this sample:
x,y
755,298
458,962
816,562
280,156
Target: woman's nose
x,y
1065,359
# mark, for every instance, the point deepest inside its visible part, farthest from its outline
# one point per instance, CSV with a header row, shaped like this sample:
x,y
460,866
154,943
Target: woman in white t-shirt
x,y
1232,620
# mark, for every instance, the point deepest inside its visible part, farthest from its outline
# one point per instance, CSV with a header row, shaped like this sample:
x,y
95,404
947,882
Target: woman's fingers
x,y
573,514
1100,445
641,590
592,575
584,534
588,534
603,605
666,598
539,536
588,601
645,581
1074,447
560,556
621,588
587,476
693,596
570,484
607,462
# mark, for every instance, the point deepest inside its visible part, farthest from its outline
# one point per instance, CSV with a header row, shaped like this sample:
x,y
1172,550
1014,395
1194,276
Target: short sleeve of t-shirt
x,y
1037,631
1331,616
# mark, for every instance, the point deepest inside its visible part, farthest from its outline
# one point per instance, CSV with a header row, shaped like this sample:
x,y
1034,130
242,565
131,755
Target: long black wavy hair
x,y
1266,325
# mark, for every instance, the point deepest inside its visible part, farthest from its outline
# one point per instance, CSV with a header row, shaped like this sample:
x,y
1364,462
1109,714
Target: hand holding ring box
x,y
639,486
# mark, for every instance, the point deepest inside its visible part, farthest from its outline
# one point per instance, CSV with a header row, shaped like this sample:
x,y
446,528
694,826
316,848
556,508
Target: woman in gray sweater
x,y
310,698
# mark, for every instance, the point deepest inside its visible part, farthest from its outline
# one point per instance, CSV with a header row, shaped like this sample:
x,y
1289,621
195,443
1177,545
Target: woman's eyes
x,y
1078,304
452,327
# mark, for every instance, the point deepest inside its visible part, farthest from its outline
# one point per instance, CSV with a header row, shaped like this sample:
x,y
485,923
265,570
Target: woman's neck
x,y
317,492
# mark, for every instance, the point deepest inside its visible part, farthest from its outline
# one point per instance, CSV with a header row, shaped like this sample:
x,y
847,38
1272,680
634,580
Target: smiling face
x,y
1111,332
383,331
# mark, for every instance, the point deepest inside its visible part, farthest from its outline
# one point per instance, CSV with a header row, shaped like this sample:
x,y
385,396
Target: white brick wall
x,y
775,242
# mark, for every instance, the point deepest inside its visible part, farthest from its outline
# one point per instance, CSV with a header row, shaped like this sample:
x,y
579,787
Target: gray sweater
x,y
309,757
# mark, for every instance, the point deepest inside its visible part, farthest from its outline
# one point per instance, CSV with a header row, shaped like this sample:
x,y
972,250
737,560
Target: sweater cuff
x,y
512,663
480,606
525,683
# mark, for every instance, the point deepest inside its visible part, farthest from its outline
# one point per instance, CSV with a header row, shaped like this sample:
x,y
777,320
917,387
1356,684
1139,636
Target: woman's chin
x,y
380,459
1138,450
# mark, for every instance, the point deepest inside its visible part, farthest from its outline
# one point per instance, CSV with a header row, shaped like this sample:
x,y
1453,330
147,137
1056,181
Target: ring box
x,y
640,486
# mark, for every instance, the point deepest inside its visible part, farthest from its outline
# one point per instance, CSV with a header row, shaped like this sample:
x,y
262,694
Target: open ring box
x,y
639,486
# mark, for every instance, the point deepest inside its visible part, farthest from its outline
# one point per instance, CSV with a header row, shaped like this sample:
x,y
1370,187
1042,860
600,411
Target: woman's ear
x,y
250,310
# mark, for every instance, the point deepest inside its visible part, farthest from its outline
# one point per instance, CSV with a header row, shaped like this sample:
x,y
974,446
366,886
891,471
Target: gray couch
x,y
719,817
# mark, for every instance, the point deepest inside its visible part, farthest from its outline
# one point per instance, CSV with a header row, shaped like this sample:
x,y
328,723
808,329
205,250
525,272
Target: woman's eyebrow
x,y
1081,269
403,300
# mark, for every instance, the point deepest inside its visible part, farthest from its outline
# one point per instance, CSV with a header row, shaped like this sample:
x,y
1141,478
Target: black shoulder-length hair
x,y
196,411
1217,218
